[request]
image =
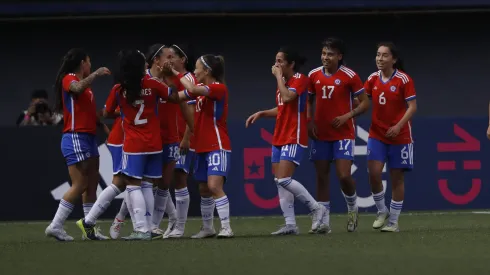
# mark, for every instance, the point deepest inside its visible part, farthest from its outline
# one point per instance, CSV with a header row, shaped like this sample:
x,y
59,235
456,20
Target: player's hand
x,y
393,131
339,121
251,119
102,71
277,71
488,132
184,146
168,69
312,130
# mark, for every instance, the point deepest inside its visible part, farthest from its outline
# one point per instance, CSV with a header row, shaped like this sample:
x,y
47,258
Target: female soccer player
x,y
290,138
211,140
390,140
333,87
78,144
142,147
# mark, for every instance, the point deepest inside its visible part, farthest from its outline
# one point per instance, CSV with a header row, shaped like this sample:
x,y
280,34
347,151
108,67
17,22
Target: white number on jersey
x,y
174,152
330,91
382,99
344,144
137,119
199,104
279,100
214,160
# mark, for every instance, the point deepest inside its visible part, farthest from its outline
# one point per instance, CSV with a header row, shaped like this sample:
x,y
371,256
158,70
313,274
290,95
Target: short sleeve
x,y
311,85
67,81
356,85
300,84
112,100
216,91
161,89
409,90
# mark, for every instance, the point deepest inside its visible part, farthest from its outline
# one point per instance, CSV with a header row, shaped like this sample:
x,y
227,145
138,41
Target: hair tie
x,y
205,64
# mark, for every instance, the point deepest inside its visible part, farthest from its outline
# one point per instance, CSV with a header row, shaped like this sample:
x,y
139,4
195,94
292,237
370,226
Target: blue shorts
x,y
116,153
396,156
332,150
142,165
289,152
171,153
215,163
77,147
185,161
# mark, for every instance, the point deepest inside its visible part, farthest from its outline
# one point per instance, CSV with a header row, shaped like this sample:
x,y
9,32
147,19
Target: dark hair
x,y
216,64
185,51
40,93
69,64
395,53
292,55
337,44
130,73
154,51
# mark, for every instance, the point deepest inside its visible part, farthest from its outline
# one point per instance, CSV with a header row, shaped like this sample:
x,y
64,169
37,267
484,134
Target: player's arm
x,y
410,98
188,114
309,106
111,103
287,94
78,87
265,113
358,91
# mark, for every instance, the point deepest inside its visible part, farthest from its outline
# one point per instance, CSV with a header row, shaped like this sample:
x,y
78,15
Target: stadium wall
x,y
451,157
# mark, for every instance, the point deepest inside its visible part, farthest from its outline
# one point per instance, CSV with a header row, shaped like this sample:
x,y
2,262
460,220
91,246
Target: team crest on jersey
x,y
337,81
393,88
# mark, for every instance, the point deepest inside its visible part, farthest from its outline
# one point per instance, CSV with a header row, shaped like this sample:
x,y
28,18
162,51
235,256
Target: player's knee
x,y
204,190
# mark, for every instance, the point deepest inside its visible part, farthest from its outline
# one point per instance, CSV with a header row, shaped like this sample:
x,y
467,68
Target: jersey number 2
x,y
330,91
137,119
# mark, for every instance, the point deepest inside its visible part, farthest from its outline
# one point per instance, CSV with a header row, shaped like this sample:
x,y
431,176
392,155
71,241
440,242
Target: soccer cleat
x,y
99,235
170,227
287,229
381,218
322,229
178,232
88,231
204,233
316,216
156,233
58,233
115,229
391,227
352,221
225,233
138,236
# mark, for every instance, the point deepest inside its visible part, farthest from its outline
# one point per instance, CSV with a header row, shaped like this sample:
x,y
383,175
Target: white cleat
x,y
178,232
204,233
381,219
225,233
287,229
99,235
391,227
58,233
317,216
170,227
156,233
115,229
322,229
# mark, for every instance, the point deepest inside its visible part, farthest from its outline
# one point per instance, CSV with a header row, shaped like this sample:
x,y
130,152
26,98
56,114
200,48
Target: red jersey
x,y
79,110
140,122
333,94
116,136
291,125
181,123
389,105
210,131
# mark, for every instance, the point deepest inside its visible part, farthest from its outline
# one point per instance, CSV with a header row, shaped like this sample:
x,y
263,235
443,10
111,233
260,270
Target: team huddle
x,y
168,119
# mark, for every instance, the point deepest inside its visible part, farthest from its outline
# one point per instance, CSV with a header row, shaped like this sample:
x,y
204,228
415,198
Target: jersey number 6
x,y
382,99
137,119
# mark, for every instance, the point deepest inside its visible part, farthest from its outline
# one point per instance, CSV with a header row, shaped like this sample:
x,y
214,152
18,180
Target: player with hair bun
x,y
211,140
290,138
392,93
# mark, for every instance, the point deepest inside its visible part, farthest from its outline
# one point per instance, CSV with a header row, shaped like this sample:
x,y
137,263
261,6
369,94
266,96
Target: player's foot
x,y
322,229
115,229
99,235
178,232
204,233
381,218
353,219
58,233
88,230
391,227
138,236
287,229
317,216
225,232
156,233
170,227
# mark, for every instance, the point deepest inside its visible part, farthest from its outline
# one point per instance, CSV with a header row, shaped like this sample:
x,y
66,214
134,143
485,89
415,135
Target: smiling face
x,y
281,61
331,58
201,72
384,58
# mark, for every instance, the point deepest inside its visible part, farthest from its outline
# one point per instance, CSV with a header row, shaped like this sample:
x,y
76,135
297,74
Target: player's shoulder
x,y
347,71
71,76
191,77
315,71
374,76
403,77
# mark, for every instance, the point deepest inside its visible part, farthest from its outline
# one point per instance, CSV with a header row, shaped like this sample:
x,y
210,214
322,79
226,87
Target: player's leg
x,y
163,199
219,164
400,160
182,198
170,157
344,156
286,199
377,154
321,153
291,155
153,173
78,169
207,200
